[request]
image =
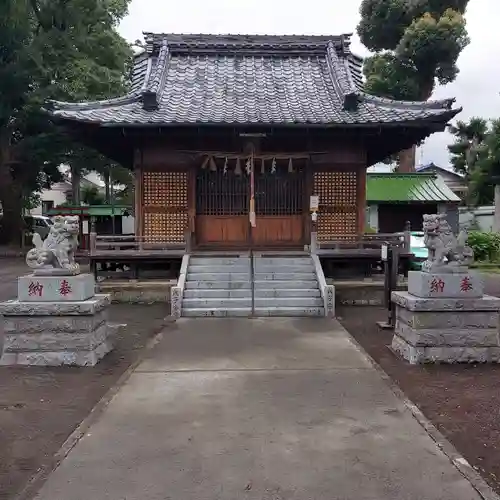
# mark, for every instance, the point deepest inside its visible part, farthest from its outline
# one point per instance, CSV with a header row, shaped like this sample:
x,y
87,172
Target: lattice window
x,y
219,193
281,192
338,225
335,188
165,201
166,189
337,217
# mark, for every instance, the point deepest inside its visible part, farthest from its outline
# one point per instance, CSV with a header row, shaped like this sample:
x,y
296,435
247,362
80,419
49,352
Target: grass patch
x,y
487,267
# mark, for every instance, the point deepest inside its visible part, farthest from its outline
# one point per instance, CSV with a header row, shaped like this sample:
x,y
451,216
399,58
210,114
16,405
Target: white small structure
x,y
60,193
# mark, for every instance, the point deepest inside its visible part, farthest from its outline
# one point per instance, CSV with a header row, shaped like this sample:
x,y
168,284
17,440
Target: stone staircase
x,y
222,286
217,286
286,286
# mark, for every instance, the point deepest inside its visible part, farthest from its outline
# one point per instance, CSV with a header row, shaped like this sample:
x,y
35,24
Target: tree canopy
x,y
416,43
52,49
475,153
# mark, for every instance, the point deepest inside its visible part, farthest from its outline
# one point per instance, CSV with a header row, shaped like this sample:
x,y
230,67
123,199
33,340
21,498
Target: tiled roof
x,y
243,79
418,187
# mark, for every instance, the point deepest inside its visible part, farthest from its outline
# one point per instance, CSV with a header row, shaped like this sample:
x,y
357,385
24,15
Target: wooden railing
x,y
124,245
366,244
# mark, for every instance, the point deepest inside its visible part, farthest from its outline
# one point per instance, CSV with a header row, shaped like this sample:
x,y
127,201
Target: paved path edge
x,y
457,459
32,487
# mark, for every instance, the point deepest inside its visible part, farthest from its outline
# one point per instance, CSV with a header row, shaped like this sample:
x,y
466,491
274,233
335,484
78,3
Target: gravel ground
x,y
40,407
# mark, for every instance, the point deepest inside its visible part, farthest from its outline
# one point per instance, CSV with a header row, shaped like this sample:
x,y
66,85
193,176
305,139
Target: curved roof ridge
x,y
340,73
210,38
147,76
154,83
128,98
397,104
332,60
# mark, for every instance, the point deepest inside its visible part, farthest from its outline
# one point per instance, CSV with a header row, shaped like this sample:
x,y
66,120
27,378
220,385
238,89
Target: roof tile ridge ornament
x,y
152,90
246,44
344,84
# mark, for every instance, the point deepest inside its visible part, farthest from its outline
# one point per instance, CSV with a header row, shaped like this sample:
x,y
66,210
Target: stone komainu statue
x,y
57,251
446,252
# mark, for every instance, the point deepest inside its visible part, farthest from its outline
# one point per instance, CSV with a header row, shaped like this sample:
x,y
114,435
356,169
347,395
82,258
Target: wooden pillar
x,y
309,190
191,202
361,199
138,198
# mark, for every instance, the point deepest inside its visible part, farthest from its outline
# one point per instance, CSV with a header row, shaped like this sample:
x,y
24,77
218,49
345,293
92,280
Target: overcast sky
x,y
476,88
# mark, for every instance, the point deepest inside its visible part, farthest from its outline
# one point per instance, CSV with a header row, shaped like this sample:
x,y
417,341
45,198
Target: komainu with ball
x,y
56,254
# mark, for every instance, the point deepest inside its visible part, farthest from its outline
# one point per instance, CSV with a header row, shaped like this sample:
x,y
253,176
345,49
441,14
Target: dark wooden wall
x,y
165,183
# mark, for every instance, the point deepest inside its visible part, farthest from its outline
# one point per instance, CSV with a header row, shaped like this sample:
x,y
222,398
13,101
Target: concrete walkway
x,y
269,409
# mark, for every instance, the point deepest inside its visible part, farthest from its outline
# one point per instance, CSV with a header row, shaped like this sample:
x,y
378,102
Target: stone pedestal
x,y
446,329
461,284
57,320
33,288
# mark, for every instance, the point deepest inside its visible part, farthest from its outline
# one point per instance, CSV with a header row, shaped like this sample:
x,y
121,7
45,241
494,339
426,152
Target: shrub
x,y
486,246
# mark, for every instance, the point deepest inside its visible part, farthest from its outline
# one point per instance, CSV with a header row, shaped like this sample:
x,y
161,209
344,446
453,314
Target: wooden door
x,y
279,206
222,201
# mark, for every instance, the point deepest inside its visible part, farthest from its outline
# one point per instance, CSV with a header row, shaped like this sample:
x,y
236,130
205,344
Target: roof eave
x,y
438,121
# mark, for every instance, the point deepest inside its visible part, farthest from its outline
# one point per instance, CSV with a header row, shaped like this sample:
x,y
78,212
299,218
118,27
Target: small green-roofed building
x,y
108,219
91,210
394,198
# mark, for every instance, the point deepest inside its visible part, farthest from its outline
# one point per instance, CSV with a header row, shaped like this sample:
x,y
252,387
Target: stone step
x,y
279,276
204,312
299,302
219,268
289,311
213,293
218,261
227,276
218,285
216,303
286,284
261,293
273,261
305,268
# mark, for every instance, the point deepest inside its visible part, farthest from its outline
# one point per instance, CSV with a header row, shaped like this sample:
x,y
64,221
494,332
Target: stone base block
x,y
80,308
413,303
33,288
448,320
87,357
444,354
445,285
446,330
41,334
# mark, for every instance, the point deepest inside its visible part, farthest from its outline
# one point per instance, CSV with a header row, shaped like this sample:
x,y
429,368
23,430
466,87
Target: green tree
x,y
416,43
92,196
469,139
467,155
51,49
486,173
116,179
476,154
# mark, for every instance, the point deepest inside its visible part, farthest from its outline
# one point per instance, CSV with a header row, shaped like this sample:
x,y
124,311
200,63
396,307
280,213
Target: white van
x,y
38,224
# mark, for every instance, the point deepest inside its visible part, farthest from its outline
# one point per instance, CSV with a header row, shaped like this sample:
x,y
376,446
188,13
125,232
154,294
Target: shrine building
x,y
233,138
